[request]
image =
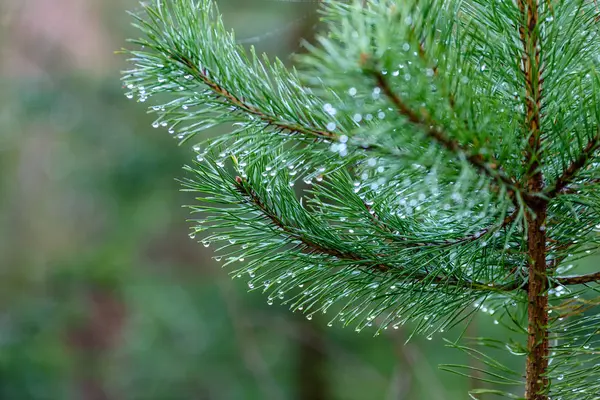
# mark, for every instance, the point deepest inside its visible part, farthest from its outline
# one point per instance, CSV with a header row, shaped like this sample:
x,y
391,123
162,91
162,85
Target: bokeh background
x,y
103,296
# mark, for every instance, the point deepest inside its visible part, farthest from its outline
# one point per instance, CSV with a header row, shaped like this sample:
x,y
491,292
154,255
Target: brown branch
x,y
574,189
578,279
509,219
240,103
490,167
243,187
577,165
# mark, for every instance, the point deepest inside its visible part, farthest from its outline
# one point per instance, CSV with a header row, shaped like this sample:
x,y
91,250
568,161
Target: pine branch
x,y
490,167
562,183
509,219
244,187
573,190
578,279
239,103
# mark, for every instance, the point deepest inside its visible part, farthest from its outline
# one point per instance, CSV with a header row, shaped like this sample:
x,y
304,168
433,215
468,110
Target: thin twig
x,y
577,165
578,279
574,189
509,219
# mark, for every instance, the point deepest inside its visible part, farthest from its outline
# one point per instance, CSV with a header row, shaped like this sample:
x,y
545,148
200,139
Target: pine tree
x,y
426,159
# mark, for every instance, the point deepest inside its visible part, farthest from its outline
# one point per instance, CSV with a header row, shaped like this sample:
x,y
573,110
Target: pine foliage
x,y
388,177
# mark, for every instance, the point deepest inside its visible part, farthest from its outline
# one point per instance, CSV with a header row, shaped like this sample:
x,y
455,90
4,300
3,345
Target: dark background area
x,y
102,293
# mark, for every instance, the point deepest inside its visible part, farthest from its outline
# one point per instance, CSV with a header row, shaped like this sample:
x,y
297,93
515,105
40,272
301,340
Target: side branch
x,y
489,167
243,187
239,103
253,198
509,219
574,189
577,165
578,279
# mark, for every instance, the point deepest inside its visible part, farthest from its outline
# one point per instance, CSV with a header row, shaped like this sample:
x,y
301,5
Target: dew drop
x,y
329,109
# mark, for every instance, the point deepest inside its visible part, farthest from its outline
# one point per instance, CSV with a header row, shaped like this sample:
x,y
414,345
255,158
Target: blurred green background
x,y
102,293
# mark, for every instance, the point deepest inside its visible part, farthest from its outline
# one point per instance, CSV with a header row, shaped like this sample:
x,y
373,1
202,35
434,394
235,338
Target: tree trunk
x,y
537,342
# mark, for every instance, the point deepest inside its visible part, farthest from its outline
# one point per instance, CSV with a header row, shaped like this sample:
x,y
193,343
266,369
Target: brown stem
x,y
509,219
577,165
536,386
242,105
578,279
574,189
310,245
244,188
